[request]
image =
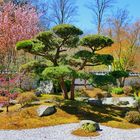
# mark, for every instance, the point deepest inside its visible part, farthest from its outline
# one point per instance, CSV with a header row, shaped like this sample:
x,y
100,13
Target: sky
x,y
85,18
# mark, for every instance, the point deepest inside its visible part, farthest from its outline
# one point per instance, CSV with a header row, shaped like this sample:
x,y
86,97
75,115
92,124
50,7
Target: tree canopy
x,y
60,46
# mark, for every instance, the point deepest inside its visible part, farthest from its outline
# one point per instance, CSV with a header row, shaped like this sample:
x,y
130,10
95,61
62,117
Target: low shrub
x,y
133,117
137,98
136,86
99,96
117,90
26,98
127,90
16,90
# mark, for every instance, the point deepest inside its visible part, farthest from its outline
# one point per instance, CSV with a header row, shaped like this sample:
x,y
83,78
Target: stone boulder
x,y
38,93
96,102
46,110
46,87
86,123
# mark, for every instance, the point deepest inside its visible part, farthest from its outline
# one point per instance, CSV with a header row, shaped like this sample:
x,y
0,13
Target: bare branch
x,y
62,11
98,9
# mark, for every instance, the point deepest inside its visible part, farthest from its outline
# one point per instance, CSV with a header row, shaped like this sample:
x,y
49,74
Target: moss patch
x,y
83,133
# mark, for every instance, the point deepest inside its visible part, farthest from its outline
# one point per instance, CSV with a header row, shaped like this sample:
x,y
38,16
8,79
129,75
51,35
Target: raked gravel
x,y
63,132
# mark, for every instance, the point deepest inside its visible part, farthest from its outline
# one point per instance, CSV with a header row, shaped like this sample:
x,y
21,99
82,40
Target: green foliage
x,y
133,117
25,45
89,127
137,98
104,58
96,42
83,54
82,75
117,90
34,66
101,80
57,72
47,38
57,87
119,74
32,46
66,30
16,90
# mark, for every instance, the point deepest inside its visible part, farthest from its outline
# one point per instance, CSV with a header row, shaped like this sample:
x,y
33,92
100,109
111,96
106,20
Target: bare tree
x,y
62,11
118,24
99,8
127,38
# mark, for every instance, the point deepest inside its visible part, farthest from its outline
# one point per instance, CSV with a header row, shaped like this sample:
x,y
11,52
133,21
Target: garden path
x,y
63,132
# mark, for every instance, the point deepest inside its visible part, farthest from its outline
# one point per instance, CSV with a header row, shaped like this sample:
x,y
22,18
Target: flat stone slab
x,y
116,100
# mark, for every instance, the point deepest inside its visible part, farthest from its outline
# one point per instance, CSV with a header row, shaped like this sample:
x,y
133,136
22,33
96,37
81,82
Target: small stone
x,y
49,101
46,110
123,103
13,102
38,93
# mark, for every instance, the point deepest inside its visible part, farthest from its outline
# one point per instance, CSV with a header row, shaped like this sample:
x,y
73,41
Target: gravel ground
x,y
63,132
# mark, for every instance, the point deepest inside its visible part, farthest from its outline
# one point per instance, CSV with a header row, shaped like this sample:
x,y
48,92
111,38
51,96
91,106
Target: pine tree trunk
x,y
122,81
63,87
72,89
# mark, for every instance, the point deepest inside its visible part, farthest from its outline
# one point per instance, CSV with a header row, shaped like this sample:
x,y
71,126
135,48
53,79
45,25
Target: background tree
x,y
16,23
126,36
99,8
62,11
20,2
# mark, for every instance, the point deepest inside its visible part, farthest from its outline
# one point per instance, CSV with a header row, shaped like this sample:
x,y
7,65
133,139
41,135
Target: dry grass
x,y
122,125
27,118
92,93
83,133
69,112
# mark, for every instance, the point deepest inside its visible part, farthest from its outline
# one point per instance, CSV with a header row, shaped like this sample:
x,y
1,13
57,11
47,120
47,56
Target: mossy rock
x,y
89,125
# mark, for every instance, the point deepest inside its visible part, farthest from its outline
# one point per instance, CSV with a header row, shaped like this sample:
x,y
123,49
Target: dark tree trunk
x,y
63,87
122,81
7,108
72,89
